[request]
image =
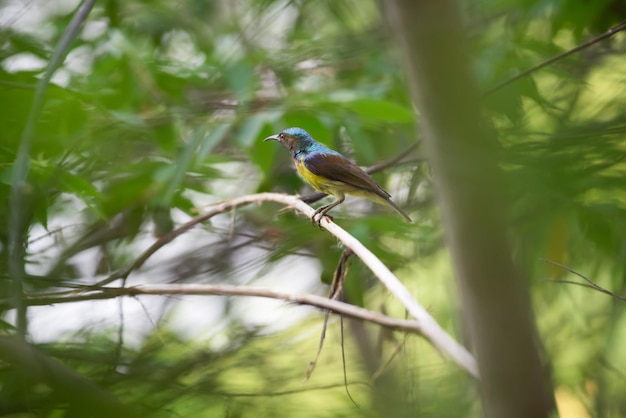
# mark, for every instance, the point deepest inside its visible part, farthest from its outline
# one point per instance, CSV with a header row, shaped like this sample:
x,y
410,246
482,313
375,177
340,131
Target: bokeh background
x,y
160,110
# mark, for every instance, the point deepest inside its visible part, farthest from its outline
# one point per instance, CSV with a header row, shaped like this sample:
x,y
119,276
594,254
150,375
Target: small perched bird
x,y
330,172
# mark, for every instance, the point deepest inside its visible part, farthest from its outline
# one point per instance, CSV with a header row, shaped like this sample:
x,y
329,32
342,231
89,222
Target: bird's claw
x,y
318,221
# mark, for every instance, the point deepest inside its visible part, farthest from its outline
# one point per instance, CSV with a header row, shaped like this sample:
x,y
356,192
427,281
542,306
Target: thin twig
x,y
284,392
169,237
383,368
343,362
590,284
569,282
17,208
336,292
609,33
336,287
119,345
390,163
313,363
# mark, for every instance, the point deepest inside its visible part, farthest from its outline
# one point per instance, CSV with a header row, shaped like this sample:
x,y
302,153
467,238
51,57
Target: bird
x,y
330,172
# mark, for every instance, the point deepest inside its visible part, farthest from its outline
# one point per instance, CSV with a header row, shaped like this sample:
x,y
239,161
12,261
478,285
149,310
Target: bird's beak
x,y
272,138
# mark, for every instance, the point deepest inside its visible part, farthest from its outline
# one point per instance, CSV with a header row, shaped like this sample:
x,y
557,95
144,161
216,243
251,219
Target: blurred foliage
x,y
161,107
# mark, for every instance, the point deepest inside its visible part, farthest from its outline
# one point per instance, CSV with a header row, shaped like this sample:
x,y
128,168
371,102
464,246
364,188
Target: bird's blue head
x,y
296,140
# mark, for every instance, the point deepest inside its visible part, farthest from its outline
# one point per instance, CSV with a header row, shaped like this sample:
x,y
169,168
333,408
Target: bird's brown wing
x,y
339,168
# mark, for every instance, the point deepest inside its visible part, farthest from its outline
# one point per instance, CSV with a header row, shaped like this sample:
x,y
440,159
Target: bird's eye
x,y
281,136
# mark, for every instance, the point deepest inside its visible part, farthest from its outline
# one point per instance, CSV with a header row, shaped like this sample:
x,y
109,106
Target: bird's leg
x,y
322,211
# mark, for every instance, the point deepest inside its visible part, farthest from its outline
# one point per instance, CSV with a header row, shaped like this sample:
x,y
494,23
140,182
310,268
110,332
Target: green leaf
x,y
248,132
214,137
381,110
79,186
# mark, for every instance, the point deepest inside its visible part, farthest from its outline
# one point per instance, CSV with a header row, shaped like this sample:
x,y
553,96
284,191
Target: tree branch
x,y
430,329
612,31
229,290
590,283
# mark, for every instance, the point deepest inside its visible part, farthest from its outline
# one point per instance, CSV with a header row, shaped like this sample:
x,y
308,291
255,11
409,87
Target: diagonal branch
x,y
431,330
591,283
609,33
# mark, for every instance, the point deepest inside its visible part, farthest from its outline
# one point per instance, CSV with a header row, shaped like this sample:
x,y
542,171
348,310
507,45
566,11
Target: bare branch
x,y
336,290
429,328
230,290
612,31
591,284
383,368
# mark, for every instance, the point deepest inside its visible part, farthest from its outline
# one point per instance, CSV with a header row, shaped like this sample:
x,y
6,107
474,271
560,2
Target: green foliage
x,y
166,113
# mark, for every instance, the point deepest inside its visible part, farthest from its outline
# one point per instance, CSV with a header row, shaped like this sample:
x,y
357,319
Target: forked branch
x,y
428,327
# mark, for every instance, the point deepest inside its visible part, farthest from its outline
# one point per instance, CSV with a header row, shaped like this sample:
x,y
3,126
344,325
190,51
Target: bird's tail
x,y
390,202
386,200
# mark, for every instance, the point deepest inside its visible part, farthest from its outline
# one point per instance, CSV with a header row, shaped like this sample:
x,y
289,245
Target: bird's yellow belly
x,y
332,187
319,183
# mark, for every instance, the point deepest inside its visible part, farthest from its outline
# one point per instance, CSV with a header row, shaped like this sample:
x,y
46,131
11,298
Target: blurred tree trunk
x,y
462,152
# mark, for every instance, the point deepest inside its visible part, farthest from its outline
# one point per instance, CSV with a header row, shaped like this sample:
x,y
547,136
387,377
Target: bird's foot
x,y
317,218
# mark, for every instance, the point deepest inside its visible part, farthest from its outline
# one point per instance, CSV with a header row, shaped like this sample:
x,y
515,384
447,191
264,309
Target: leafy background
x,y
160,109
